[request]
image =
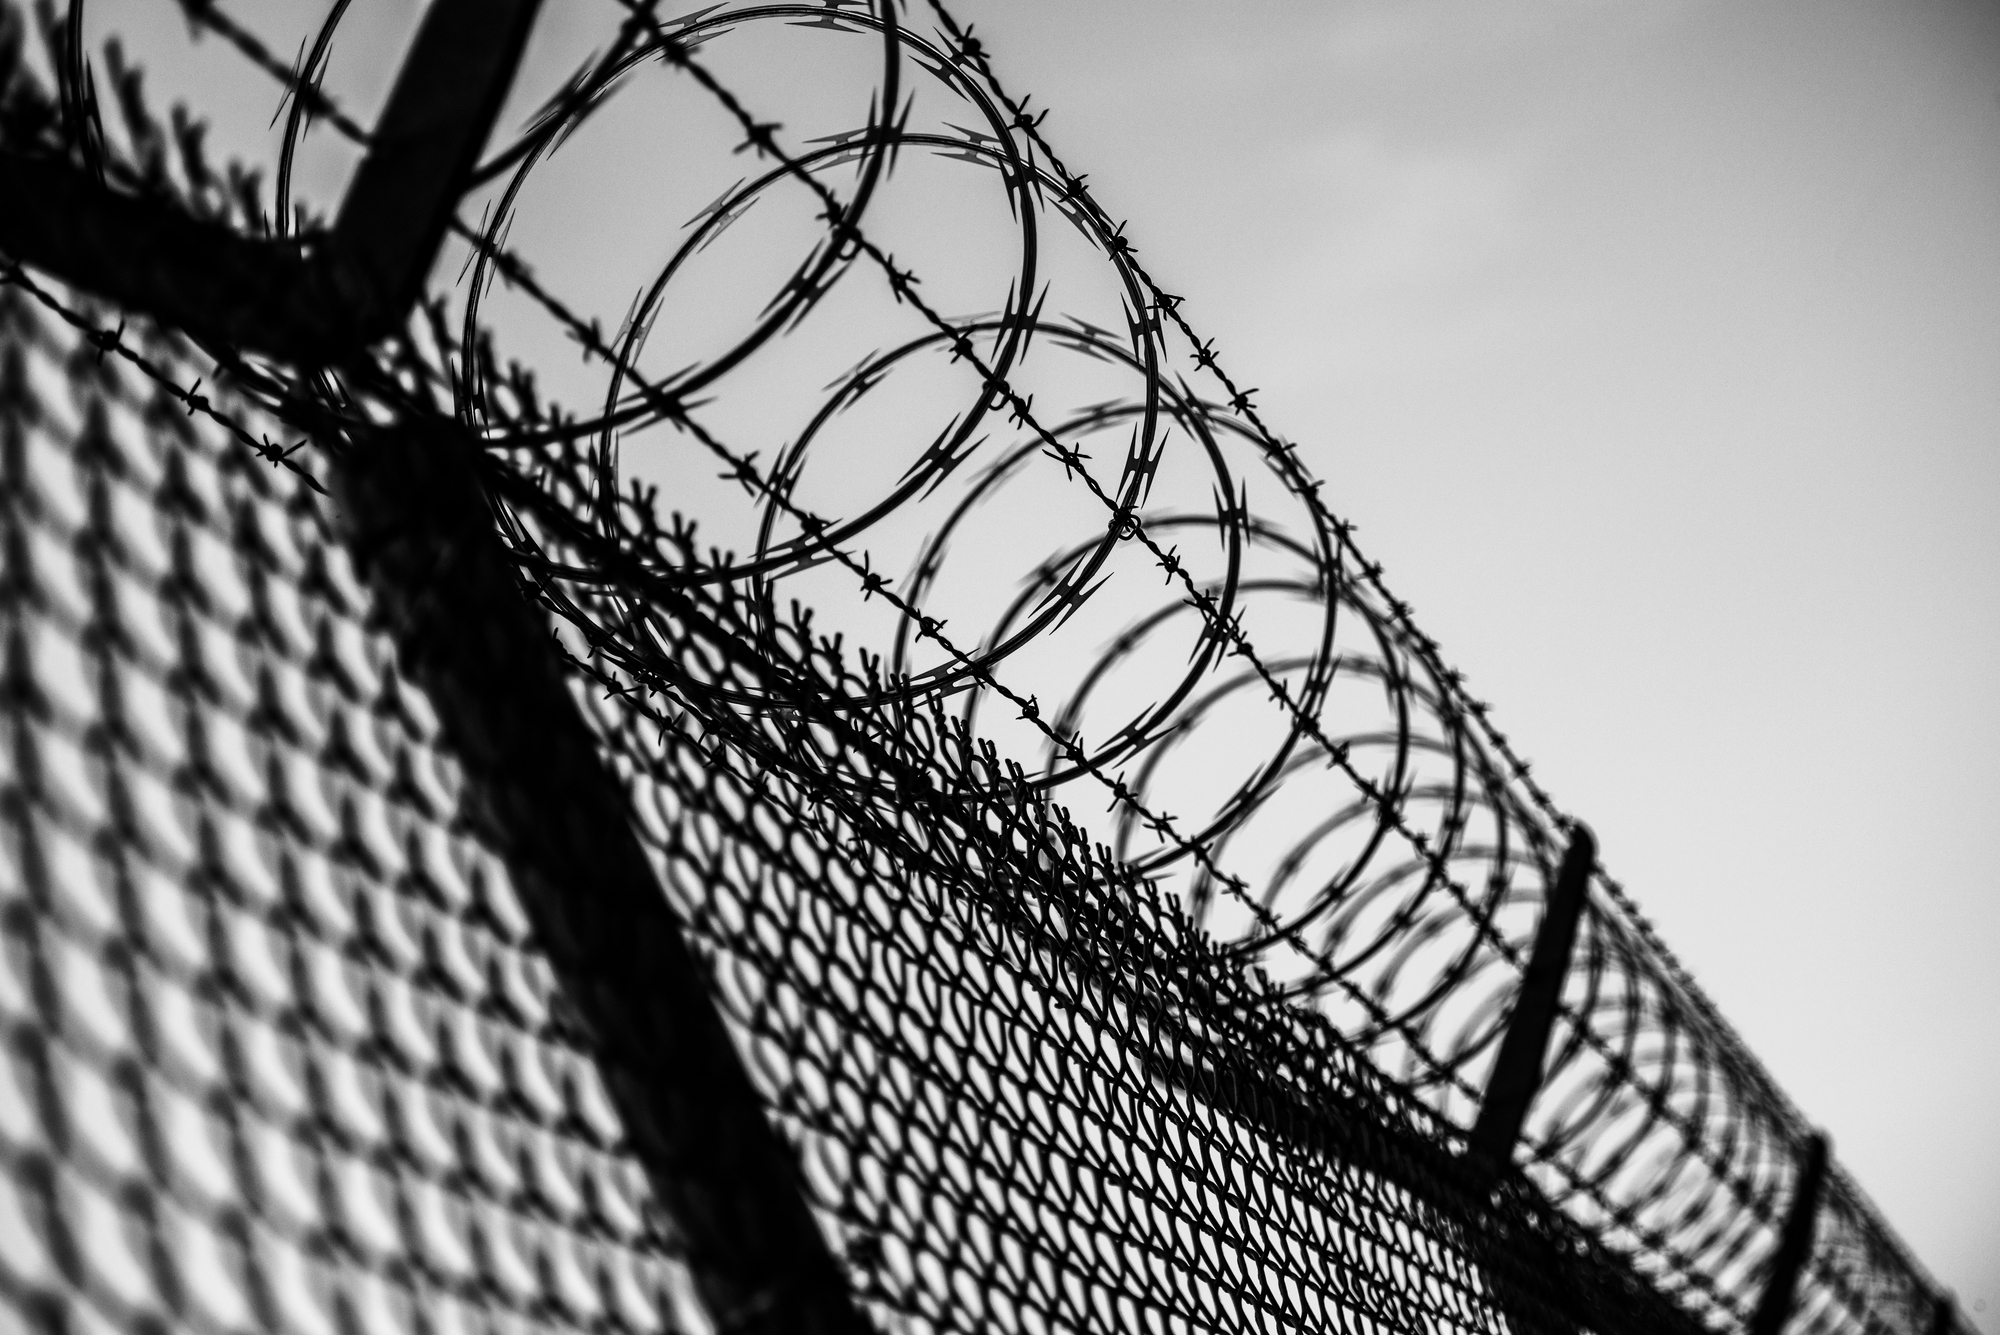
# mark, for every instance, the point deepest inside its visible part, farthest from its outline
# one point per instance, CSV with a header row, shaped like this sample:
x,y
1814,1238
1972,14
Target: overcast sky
x,y
1656,351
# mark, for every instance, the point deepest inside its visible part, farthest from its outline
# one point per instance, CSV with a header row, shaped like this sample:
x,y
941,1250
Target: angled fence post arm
x,y
440,113
1794,1243
312,300
538,789
1517,1070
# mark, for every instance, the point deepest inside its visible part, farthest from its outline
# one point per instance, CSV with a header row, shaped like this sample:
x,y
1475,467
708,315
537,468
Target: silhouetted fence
x,y
445,888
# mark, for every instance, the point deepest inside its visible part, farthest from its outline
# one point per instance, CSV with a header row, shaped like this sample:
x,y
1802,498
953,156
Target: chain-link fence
x,y
378,961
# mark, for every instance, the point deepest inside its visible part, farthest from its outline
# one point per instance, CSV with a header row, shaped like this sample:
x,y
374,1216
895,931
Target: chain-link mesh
x,y
283,1055
280,1053
306,1027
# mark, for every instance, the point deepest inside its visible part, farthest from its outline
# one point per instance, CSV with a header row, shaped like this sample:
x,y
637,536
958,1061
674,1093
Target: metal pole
x,y
538,790
313,300
1517,1071
1794,1243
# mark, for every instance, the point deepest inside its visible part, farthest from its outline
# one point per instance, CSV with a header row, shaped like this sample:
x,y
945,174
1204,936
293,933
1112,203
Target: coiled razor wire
x,y
1276,801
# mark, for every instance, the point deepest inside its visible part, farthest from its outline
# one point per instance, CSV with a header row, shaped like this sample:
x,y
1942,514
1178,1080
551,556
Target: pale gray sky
x,y
1656,350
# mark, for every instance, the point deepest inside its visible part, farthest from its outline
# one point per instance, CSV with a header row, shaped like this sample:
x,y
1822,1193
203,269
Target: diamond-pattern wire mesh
x,y
282,1056
279,1053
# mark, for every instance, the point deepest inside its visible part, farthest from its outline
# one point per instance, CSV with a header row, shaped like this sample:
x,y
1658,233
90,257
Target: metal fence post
x,y
1794,1243
313,300
1517,1070
539,791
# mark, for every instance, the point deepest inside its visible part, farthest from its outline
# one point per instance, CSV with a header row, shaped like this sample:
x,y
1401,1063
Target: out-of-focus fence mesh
x,y
285,1052
283,1056
280,1052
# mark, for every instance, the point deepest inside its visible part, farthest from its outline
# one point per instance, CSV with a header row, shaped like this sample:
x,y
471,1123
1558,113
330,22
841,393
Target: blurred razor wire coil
x,y
1082,840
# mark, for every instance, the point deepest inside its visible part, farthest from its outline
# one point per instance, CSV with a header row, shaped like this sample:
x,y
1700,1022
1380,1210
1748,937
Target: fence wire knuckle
x,y
1031,875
